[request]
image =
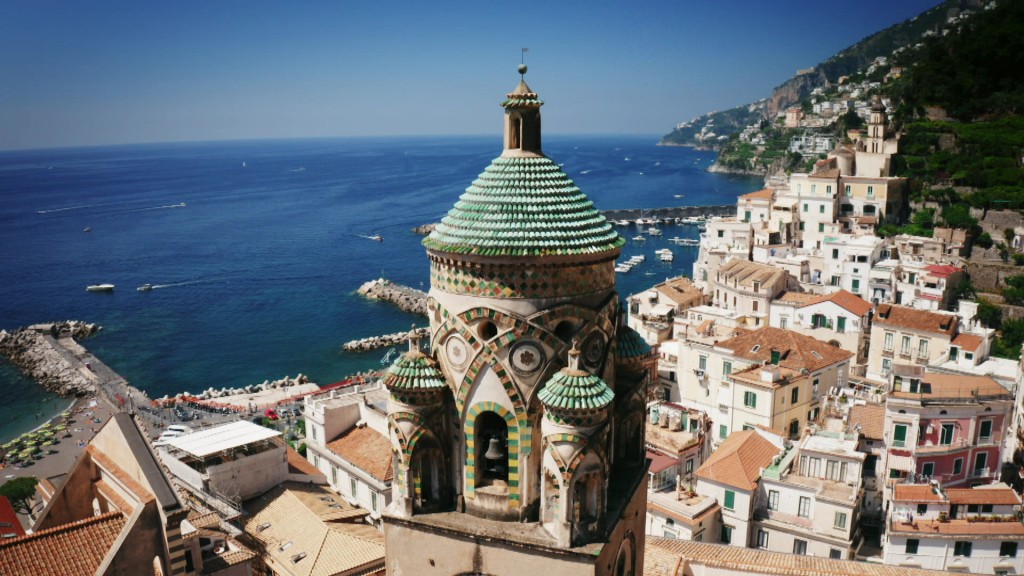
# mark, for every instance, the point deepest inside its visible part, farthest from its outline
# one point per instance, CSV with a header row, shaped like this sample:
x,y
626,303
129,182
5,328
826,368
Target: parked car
x,y
270,413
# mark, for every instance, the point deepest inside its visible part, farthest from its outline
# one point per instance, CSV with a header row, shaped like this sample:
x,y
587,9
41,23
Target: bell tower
x,y
519,395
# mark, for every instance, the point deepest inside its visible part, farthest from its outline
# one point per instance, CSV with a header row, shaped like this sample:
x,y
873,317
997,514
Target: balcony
x,y
781,517
980,473
887,353
958,444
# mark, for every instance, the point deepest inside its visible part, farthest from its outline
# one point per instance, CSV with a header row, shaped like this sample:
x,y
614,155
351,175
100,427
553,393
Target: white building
x,y
975,530
840,318
346,439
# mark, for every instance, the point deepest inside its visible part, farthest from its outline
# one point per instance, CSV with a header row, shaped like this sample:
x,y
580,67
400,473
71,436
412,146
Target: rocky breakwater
x,y
408,299
373,342
267,386
37,352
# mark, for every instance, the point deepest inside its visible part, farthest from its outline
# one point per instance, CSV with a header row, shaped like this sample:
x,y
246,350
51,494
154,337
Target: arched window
x,y
552,499
427,475
491,450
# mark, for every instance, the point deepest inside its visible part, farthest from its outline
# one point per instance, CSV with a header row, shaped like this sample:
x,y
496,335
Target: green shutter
x,y
730,500
899,435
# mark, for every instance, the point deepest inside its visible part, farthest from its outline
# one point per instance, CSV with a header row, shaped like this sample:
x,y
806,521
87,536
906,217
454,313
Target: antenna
x,y
522,63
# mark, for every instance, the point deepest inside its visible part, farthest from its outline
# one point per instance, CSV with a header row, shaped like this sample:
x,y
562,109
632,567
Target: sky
x,y
76,73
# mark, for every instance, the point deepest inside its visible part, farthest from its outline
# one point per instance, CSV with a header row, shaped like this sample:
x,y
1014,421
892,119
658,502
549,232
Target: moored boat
x,y
99,288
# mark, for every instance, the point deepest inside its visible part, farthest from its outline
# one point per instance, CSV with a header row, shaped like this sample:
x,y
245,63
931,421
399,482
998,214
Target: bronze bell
x,y
494,450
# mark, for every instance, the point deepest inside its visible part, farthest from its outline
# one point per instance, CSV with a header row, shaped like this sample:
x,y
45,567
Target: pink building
x,y
945,427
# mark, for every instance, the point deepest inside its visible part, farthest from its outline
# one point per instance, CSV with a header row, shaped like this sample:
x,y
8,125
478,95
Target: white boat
x,y
654,231
623,269
676,240
145,288
638,258
666,257
663,251
689,242
99,288
639,239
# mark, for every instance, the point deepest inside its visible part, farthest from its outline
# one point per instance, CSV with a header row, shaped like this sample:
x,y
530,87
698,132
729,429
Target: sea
x,y
256,248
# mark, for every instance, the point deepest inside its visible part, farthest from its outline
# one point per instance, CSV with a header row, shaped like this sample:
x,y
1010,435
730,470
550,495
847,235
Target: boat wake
x,y
82,207
181,205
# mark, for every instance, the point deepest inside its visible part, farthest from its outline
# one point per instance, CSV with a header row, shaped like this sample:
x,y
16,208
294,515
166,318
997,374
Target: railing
x,y
980,473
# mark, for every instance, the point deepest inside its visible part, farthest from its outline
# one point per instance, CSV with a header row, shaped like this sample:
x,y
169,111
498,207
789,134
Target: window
x,y
689,466
946,435
886,365
905,347
373,501
804,510
922,348
821,209
750,399
702,363
848,191
762,538
962,548
986,508
316,461
840,521
828,189
746,216
821,227
805,207
835,554
726,368
334,475
726,534
799,546
888,341
835,253
814,188
871,191
912,544
755,306
802,225
841,324
352,487
985,434
922,508
855,285
973,508
783,322
730,500
723,431
773,499
928,469
899,436
958,466
313,430
1008,549
721,233
795,395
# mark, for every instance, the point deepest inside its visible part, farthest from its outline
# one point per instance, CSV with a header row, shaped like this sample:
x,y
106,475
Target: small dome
x,y
575,390
414,371
631,344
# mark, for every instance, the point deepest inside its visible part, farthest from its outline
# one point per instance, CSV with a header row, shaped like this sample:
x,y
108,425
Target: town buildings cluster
x,y
846,392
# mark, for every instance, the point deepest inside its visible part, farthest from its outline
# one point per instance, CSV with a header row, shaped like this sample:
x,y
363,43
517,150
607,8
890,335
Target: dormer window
x,y
755,348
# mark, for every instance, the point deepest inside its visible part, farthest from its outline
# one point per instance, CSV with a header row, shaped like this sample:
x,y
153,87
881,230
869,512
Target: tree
x,y
989,314
20,492
958,216
984,241
1010,339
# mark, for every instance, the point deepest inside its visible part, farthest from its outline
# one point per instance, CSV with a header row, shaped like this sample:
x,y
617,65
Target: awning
x,y
904,463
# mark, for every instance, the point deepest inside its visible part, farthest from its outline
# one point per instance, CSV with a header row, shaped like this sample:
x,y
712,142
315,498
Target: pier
x,y
671,212
406,298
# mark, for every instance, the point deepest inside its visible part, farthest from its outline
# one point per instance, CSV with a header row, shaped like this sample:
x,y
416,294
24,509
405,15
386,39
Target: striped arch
x,y
601,318
513,449
405,445
566,468
487,358
581,455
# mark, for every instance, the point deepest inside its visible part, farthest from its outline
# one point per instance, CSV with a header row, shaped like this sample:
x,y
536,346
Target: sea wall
x,y
671,212
408,299
387,340
37,352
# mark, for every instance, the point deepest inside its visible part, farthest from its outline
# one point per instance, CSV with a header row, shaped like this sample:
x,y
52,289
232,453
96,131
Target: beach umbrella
x,y
47,425
66,415
9,445
60,427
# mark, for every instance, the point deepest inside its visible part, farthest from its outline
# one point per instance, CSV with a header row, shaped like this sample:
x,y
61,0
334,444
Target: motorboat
x,y
145,288
666,257
653,231
639,239
100,288
623,268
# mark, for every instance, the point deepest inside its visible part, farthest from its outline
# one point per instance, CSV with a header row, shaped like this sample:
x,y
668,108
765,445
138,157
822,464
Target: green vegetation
x,y
20,492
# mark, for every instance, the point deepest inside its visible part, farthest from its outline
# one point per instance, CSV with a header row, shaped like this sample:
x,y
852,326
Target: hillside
x,y
796,90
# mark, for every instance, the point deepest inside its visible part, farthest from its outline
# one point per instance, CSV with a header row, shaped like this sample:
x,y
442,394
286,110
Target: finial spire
x,y
522,64
414,339
574,355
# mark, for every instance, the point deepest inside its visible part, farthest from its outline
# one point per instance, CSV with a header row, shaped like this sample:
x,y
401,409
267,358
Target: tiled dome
x,y
414,371
523,206
575,390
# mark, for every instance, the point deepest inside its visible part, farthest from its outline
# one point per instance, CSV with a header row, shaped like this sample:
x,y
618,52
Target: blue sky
x,y
83,73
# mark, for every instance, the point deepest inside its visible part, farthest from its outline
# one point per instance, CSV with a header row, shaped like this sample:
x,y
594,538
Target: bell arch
x,y
475,449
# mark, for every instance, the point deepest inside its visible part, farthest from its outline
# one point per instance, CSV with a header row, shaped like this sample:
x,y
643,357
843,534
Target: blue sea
x,y
256,274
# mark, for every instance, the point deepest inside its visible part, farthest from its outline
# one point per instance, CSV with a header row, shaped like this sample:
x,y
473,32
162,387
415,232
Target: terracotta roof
x,y
660,462
833,173
915,493
765,194
921,320
871,418
73,548
867,220
299,465
942,270
850,301
799,298
680,290
366,449
969,342
934,385
961,527
995,494
738,461
797,351
318,545
695,521
746,273
670,557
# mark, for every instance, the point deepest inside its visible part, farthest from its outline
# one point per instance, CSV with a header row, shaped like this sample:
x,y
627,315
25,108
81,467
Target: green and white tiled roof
x,y
631,344
414,371
575,390
523,206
